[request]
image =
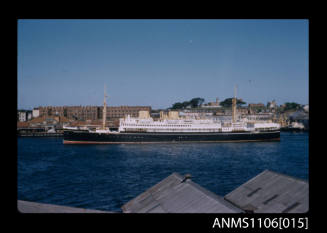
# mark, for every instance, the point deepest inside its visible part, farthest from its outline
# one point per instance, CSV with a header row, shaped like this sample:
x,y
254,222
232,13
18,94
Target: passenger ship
x,y
171,128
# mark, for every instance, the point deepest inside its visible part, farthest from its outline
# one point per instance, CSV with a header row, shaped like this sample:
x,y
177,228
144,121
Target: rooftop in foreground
x,y
33,207
177,194
271,192
268,192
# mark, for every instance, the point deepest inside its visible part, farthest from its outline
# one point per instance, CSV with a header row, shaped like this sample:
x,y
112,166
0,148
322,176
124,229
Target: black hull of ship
x,y
80,137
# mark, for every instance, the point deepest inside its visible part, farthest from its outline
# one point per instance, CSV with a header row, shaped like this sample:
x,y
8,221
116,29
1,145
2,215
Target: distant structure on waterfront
x,y
55,117
24,115
91,112
45,118
212,104
272,104
172,128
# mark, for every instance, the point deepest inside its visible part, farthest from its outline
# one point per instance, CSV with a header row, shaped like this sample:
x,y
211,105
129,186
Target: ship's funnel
x,y
144,114
173,115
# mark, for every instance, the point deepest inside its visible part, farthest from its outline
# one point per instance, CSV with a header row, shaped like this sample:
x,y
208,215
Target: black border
x,y
171,222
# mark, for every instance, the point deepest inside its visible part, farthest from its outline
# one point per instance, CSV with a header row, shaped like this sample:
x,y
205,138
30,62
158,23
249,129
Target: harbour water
x,y
105,177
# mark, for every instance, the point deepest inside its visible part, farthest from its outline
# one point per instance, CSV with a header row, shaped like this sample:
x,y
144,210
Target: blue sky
x,y
160,62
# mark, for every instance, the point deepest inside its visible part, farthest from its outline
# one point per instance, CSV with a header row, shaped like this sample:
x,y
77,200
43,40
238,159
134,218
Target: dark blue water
x,y
105,177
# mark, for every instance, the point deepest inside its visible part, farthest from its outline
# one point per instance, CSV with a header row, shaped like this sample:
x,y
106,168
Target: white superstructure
x,y
132,124
174,123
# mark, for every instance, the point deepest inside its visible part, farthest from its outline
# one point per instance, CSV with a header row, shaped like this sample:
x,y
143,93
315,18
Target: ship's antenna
x,y
235,89
104,115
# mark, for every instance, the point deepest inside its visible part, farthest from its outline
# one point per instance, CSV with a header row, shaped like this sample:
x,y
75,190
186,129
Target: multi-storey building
x,y
255,108
35,113
121,111
72,112
21,116
211,104
272,104
259,105
24,115
91,112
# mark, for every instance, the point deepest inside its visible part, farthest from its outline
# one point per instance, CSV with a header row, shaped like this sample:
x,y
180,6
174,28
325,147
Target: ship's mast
x,y
104,112
234,106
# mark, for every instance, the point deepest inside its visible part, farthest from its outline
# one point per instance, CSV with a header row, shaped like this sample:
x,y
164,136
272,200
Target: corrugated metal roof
x,y
34,207
271,192
175,194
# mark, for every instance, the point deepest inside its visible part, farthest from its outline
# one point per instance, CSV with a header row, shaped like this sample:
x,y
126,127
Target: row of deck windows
x,y
157,125
163,129
266,129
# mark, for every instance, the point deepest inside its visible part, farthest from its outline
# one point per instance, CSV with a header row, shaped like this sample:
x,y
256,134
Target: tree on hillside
x,y
196,102
177,105
292,106
227,103
186,104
